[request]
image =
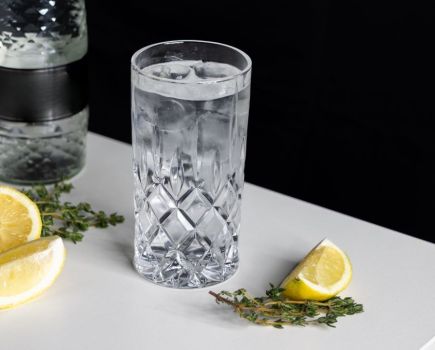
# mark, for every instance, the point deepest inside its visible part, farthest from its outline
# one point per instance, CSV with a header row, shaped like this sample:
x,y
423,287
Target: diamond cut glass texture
x,y
42,33
189,142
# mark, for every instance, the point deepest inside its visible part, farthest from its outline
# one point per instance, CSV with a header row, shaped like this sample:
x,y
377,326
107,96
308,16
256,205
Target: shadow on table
x,y
222,315
123,243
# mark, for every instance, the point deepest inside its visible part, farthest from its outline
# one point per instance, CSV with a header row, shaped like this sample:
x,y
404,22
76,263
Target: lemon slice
x,y
20,220
28,270
322,274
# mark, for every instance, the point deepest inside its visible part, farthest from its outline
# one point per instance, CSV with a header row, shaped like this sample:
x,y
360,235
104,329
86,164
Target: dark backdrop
x,y
341,103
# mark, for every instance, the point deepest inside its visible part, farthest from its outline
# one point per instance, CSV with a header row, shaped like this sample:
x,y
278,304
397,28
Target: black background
x,y
342,94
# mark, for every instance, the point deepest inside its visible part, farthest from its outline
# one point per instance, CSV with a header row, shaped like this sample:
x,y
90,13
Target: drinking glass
x,y
190,105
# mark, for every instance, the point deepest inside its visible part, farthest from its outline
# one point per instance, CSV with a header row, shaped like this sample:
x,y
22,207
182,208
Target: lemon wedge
x,y
322,274
20,219
29,269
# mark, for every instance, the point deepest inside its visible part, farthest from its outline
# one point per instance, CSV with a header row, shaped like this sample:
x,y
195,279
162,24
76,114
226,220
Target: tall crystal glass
x,y
190,105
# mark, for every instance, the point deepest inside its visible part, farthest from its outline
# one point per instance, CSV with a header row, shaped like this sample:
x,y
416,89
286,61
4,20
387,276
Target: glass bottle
x,y
43,97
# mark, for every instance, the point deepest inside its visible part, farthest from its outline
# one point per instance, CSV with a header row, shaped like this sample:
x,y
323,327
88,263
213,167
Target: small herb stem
x,y
297,302
53,214
276,310
66,219
222,299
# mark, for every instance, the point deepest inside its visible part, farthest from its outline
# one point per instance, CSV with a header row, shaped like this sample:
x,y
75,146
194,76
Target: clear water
x,y
189,153
42,33
44,152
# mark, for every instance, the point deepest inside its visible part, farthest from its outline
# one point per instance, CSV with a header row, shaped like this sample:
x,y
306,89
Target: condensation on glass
x,y
43,102
190,105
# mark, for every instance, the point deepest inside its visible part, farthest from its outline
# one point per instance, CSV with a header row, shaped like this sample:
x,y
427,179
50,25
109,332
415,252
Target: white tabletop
x,y
100,302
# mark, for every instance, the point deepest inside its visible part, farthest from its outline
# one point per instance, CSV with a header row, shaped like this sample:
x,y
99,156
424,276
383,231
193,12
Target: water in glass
x,y
189,152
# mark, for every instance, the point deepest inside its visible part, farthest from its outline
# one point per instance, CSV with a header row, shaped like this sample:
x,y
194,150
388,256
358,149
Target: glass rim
x,y
136,68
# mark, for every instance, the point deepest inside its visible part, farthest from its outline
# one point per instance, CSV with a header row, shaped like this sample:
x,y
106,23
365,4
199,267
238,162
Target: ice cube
x,y
207,70
174,114
171,71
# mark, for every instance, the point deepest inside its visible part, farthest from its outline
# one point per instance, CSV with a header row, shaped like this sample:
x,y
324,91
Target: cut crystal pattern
x,y
42,152
187,205
41,33
195,205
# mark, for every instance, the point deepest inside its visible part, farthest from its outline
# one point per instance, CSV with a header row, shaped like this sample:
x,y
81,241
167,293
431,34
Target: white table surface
x,y
100,302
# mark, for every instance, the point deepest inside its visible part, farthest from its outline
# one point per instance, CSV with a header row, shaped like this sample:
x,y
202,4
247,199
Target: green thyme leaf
x,y
277,311
66,219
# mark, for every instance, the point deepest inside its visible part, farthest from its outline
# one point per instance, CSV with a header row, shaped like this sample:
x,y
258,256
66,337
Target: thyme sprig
x,y
66,219
277,311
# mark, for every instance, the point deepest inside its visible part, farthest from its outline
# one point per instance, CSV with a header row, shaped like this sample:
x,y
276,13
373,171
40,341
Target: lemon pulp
x,y
322,274
20,219
28,270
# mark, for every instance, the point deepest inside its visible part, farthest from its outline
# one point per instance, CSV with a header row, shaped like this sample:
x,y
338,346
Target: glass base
x,y
183,280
